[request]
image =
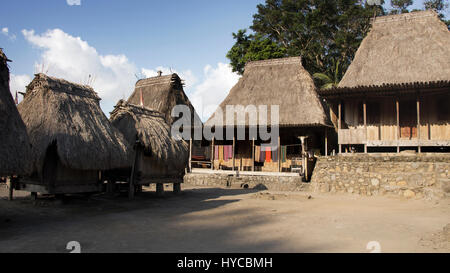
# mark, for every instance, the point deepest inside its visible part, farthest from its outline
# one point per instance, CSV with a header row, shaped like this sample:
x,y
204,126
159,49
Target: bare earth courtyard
x,y
223,220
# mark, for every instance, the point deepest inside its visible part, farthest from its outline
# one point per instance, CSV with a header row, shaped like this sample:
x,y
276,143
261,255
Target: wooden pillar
x,y
326,141
234,145
159,189
279,154
418,124
253,154
176,188
365,124
10,184
339,124
190,154
397,135
212,154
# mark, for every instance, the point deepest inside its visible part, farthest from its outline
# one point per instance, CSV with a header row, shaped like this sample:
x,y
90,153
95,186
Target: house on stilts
x,y
72,139
15,148
395,95
277,94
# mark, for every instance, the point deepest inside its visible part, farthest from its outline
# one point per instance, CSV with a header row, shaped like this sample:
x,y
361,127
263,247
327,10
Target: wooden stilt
x,y
234,145
10,184
159,189
326,141
340,124
397,107
253,154
365,125
418,124
212,154
279,154
176,188
190,154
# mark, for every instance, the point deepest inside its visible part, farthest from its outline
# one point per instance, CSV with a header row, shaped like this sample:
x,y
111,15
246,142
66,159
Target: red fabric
x,y
268,154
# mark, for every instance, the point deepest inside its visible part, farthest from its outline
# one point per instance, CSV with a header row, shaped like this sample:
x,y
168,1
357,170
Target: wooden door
x,y
408,119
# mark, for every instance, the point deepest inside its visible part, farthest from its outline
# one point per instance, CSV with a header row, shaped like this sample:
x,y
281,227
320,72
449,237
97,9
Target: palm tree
x,y
330,81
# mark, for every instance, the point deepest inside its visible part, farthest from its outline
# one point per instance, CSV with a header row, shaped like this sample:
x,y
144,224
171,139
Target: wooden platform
x,y
243,173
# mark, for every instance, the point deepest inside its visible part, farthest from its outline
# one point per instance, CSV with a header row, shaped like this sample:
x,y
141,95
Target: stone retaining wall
x,y
425,175
260,182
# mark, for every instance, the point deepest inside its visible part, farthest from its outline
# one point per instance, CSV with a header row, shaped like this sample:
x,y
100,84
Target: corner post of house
x,y
253,154
326,141
397,135
190,154
339,124
212,153
234,147
365,124
418,123
279,154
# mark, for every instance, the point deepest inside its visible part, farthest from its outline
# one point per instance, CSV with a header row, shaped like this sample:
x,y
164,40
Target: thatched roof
x,y
14,143
55,110
282,82
161,94
152,131
402,49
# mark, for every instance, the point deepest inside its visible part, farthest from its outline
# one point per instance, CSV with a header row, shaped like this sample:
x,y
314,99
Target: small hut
x,y
162,94
277,82
72,139
159,158
396,93
14,143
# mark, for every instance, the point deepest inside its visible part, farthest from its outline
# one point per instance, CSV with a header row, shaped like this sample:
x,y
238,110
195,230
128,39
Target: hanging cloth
x,y
268,154
275,154
216,152
220,153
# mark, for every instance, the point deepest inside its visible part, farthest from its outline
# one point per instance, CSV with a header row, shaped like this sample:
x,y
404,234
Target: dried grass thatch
x,y
161,94
152,131
282,82
404,48
14,143
55,110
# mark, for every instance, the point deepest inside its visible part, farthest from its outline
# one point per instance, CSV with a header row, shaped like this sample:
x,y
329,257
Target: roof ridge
x,y
405,16
277,61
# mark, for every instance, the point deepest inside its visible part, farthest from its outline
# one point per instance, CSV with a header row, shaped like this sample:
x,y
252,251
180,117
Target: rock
x,y
324,188
375,182
409,194
402,184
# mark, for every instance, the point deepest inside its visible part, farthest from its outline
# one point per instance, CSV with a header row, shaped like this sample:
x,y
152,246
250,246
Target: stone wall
x,y
422,176
260,182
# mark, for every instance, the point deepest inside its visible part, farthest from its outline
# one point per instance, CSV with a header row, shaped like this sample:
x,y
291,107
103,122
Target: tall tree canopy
x,y
326,33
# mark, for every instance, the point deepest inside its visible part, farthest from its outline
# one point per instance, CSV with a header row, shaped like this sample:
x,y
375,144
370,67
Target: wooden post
x,y
176,188
159,189
190,154
418,124
234,145
212,154
10,184
279,154
365,124
253,154
339,124
326,141
397,107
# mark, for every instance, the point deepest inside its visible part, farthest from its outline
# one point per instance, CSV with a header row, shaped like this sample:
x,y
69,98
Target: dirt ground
x,y
223,220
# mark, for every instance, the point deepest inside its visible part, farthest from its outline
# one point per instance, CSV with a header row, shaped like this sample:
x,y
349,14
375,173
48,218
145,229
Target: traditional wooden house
x,y
396,93
159,157
277,82
15,148
72,139
162,94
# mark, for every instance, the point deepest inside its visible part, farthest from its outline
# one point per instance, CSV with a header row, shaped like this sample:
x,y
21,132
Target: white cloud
x,y
217,82
18,83
74,2
71,58
5,31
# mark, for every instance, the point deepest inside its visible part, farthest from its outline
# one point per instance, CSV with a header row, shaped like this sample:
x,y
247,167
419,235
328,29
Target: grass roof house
x,y
15,149
283,82
159,157
396,92
72,138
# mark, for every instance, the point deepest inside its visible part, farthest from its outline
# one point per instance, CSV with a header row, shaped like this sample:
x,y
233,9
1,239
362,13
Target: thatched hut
x,y
396,92
283,82
160,158
15,149
72,138
162,94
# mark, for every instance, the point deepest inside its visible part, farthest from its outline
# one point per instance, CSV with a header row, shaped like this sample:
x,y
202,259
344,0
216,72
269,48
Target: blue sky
x,y
114,40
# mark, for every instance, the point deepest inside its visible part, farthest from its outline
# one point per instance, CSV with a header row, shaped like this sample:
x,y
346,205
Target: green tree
x,y
252,48
401,6
330,79
439,6
320,31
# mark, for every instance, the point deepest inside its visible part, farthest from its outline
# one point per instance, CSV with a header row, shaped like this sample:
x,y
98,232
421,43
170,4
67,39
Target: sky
x,y
109,44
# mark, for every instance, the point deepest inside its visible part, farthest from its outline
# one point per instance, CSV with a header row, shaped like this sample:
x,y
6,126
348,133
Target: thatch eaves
x,y
401,49
282,82
15,149
152,131
55,110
